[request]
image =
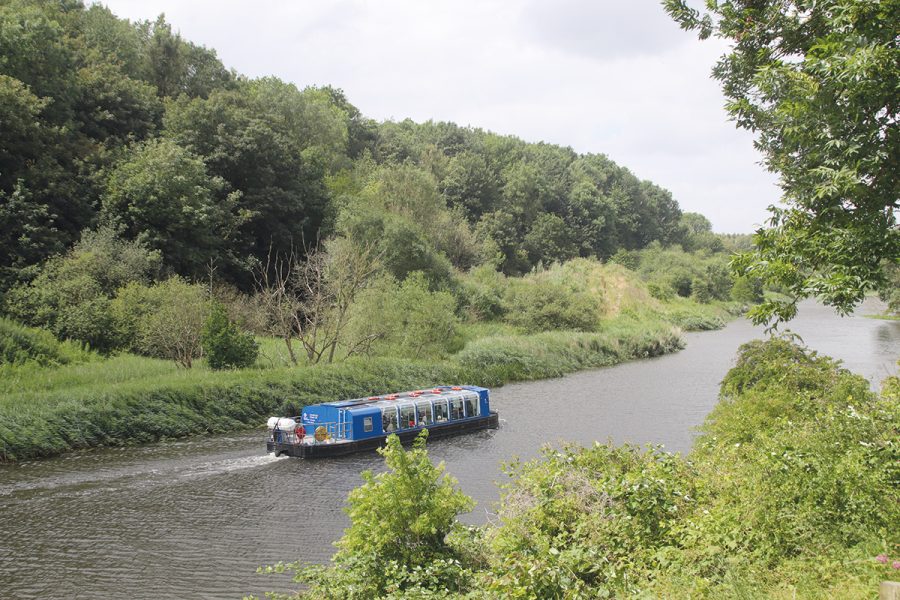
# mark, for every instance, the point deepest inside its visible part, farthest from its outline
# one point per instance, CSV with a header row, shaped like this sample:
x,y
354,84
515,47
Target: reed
x,y
128,399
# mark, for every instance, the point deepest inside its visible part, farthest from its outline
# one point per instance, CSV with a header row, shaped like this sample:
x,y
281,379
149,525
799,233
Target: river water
x,y
194,518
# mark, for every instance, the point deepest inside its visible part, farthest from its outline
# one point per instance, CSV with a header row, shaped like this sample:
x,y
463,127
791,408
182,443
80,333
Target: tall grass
x,y
130,400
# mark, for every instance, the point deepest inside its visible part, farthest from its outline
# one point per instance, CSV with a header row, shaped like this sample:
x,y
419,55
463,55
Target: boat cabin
x,y
378,416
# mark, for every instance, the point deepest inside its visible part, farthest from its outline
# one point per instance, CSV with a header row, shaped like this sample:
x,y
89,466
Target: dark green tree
x,y
71,294
224,345
283,195
163,197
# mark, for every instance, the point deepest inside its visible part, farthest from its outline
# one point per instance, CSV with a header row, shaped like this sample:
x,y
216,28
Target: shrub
x,y
400,538
71,294
163,321
405,320
482,293
543,305
226,347
799,458
747,289
21,345
583,522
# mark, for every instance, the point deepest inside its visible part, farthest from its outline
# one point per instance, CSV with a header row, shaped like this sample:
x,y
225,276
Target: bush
x,y
163,321
226,347
798,460
71,294
405,320
747,289
400,539
584,522
22,345
543,305
482,293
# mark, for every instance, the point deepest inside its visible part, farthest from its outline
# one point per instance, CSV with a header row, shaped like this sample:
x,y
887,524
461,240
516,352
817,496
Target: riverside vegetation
x,y
56,396
186,250
790,491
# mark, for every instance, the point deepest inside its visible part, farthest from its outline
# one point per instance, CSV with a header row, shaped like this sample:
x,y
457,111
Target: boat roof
x,y
443,392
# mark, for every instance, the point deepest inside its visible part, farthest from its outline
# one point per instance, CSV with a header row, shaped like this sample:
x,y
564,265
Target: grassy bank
x,y
56,397
129,399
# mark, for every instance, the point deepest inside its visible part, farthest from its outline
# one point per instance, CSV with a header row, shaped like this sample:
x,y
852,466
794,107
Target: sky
x,y
612,77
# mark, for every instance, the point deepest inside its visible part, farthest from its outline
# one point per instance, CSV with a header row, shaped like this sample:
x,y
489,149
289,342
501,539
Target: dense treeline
x,y
136,166
128,125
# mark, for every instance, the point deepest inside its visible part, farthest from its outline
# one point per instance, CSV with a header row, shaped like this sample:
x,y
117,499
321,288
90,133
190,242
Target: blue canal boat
x,y
337,428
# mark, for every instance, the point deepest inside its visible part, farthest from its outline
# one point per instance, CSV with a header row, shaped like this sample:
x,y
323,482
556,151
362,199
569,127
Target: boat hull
x,y
324,450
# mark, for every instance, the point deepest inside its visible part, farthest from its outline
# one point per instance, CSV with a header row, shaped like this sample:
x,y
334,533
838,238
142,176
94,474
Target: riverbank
x,y
126,400
219,504
784,492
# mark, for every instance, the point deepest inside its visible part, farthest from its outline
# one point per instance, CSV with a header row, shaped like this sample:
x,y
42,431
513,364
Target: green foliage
x,y
164,320
252,137
400,524
798,459
585,522
817,84
224,346
671,271
130,124
747,289
160,195
71,294
404,319
890,289
500,358
482,293
696,231
540,304
27,345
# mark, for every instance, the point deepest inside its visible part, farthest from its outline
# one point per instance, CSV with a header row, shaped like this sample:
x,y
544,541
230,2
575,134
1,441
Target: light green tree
x,y
402,536
817,84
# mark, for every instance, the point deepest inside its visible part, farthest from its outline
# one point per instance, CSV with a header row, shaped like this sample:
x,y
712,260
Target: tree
x,y
401,534
817,83
309,299
224,345
71,294
283,195
165,320
162,196
549,240
403,319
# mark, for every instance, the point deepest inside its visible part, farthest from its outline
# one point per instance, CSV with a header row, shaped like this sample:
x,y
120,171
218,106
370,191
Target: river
x,y
194,518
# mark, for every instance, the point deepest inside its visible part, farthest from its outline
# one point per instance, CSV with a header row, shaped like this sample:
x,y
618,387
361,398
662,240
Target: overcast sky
x,y
618,78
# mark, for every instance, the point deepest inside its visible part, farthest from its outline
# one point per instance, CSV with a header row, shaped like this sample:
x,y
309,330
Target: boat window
x,y
423,412
456,408
407,416
389,420
441,411
471,407
367,424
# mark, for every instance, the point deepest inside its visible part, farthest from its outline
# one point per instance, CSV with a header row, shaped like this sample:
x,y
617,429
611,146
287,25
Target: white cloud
x,y
614,78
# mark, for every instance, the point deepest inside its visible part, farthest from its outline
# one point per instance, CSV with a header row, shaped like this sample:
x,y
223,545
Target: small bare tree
x,y
331,279
309,300
279,298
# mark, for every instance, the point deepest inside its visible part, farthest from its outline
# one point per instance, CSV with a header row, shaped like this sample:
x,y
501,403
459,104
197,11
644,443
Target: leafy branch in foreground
x,y
817,83
403,536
